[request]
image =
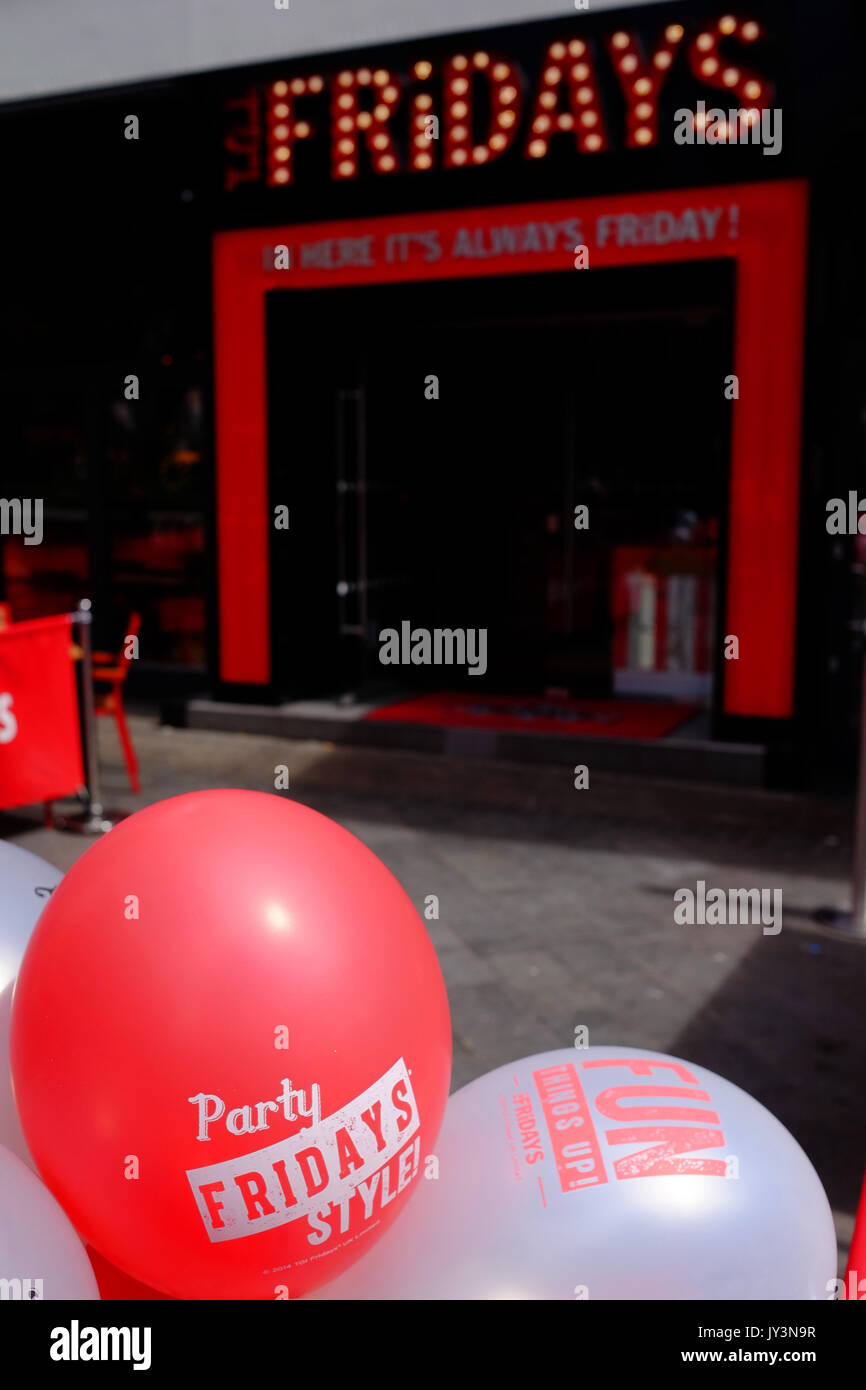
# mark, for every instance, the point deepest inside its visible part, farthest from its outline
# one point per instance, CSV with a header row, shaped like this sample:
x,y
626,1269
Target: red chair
x,y
110,669
5,615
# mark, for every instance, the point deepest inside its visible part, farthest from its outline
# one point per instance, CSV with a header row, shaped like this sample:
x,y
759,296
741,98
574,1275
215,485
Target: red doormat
x,y
538,714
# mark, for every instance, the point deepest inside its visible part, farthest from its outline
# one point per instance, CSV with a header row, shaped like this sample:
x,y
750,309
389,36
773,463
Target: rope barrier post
x,y
93,819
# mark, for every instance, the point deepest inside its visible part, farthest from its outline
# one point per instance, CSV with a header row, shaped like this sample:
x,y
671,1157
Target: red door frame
x,y
762,226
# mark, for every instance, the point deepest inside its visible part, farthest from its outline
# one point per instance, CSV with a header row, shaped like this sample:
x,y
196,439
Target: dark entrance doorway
x,y
555,392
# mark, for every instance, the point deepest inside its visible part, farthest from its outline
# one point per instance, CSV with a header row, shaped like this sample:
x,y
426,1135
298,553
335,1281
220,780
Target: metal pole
x,y
84,619
853,923
94,819
364,600
858,887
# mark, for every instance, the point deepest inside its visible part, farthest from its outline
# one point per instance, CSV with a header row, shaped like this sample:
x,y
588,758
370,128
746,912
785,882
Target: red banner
x,y
40,739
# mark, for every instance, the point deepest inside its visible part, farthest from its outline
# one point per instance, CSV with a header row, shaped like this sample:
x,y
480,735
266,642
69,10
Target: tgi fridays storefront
x,y
511,336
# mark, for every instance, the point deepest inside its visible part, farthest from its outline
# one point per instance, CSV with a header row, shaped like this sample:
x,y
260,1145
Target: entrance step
x,y
330,721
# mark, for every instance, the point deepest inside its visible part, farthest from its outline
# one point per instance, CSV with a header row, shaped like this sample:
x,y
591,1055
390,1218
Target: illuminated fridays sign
x,y
472,106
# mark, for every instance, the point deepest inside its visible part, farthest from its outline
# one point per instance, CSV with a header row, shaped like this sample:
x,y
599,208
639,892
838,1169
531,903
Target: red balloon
x,y
230,1046
115,1286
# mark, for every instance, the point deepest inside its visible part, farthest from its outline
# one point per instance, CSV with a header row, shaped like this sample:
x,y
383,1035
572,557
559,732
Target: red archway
x,y
761,226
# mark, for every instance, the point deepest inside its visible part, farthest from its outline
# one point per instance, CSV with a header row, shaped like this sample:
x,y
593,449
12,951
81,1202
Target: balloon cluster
x,y
230,1050
606,1173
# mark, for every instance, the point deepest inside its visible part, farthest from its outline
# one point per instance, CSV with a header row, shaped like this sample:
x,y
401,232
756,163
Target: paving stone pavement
x,y
556,910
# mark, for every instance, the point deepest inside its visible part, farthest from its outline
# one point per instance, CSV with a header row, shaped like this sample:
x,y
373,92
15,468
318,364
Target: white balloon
x,y
605,1173
26,884
39,1247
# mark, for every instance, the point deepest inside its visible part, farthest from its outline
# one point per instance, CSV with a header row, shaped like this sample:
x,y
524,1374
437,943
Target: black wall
x,y
106,256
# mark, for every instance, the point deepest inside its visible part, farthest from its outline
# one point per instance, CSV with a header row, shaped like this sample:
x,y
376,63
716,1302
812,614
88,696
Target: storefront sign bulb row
x,y
364,102
708,63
